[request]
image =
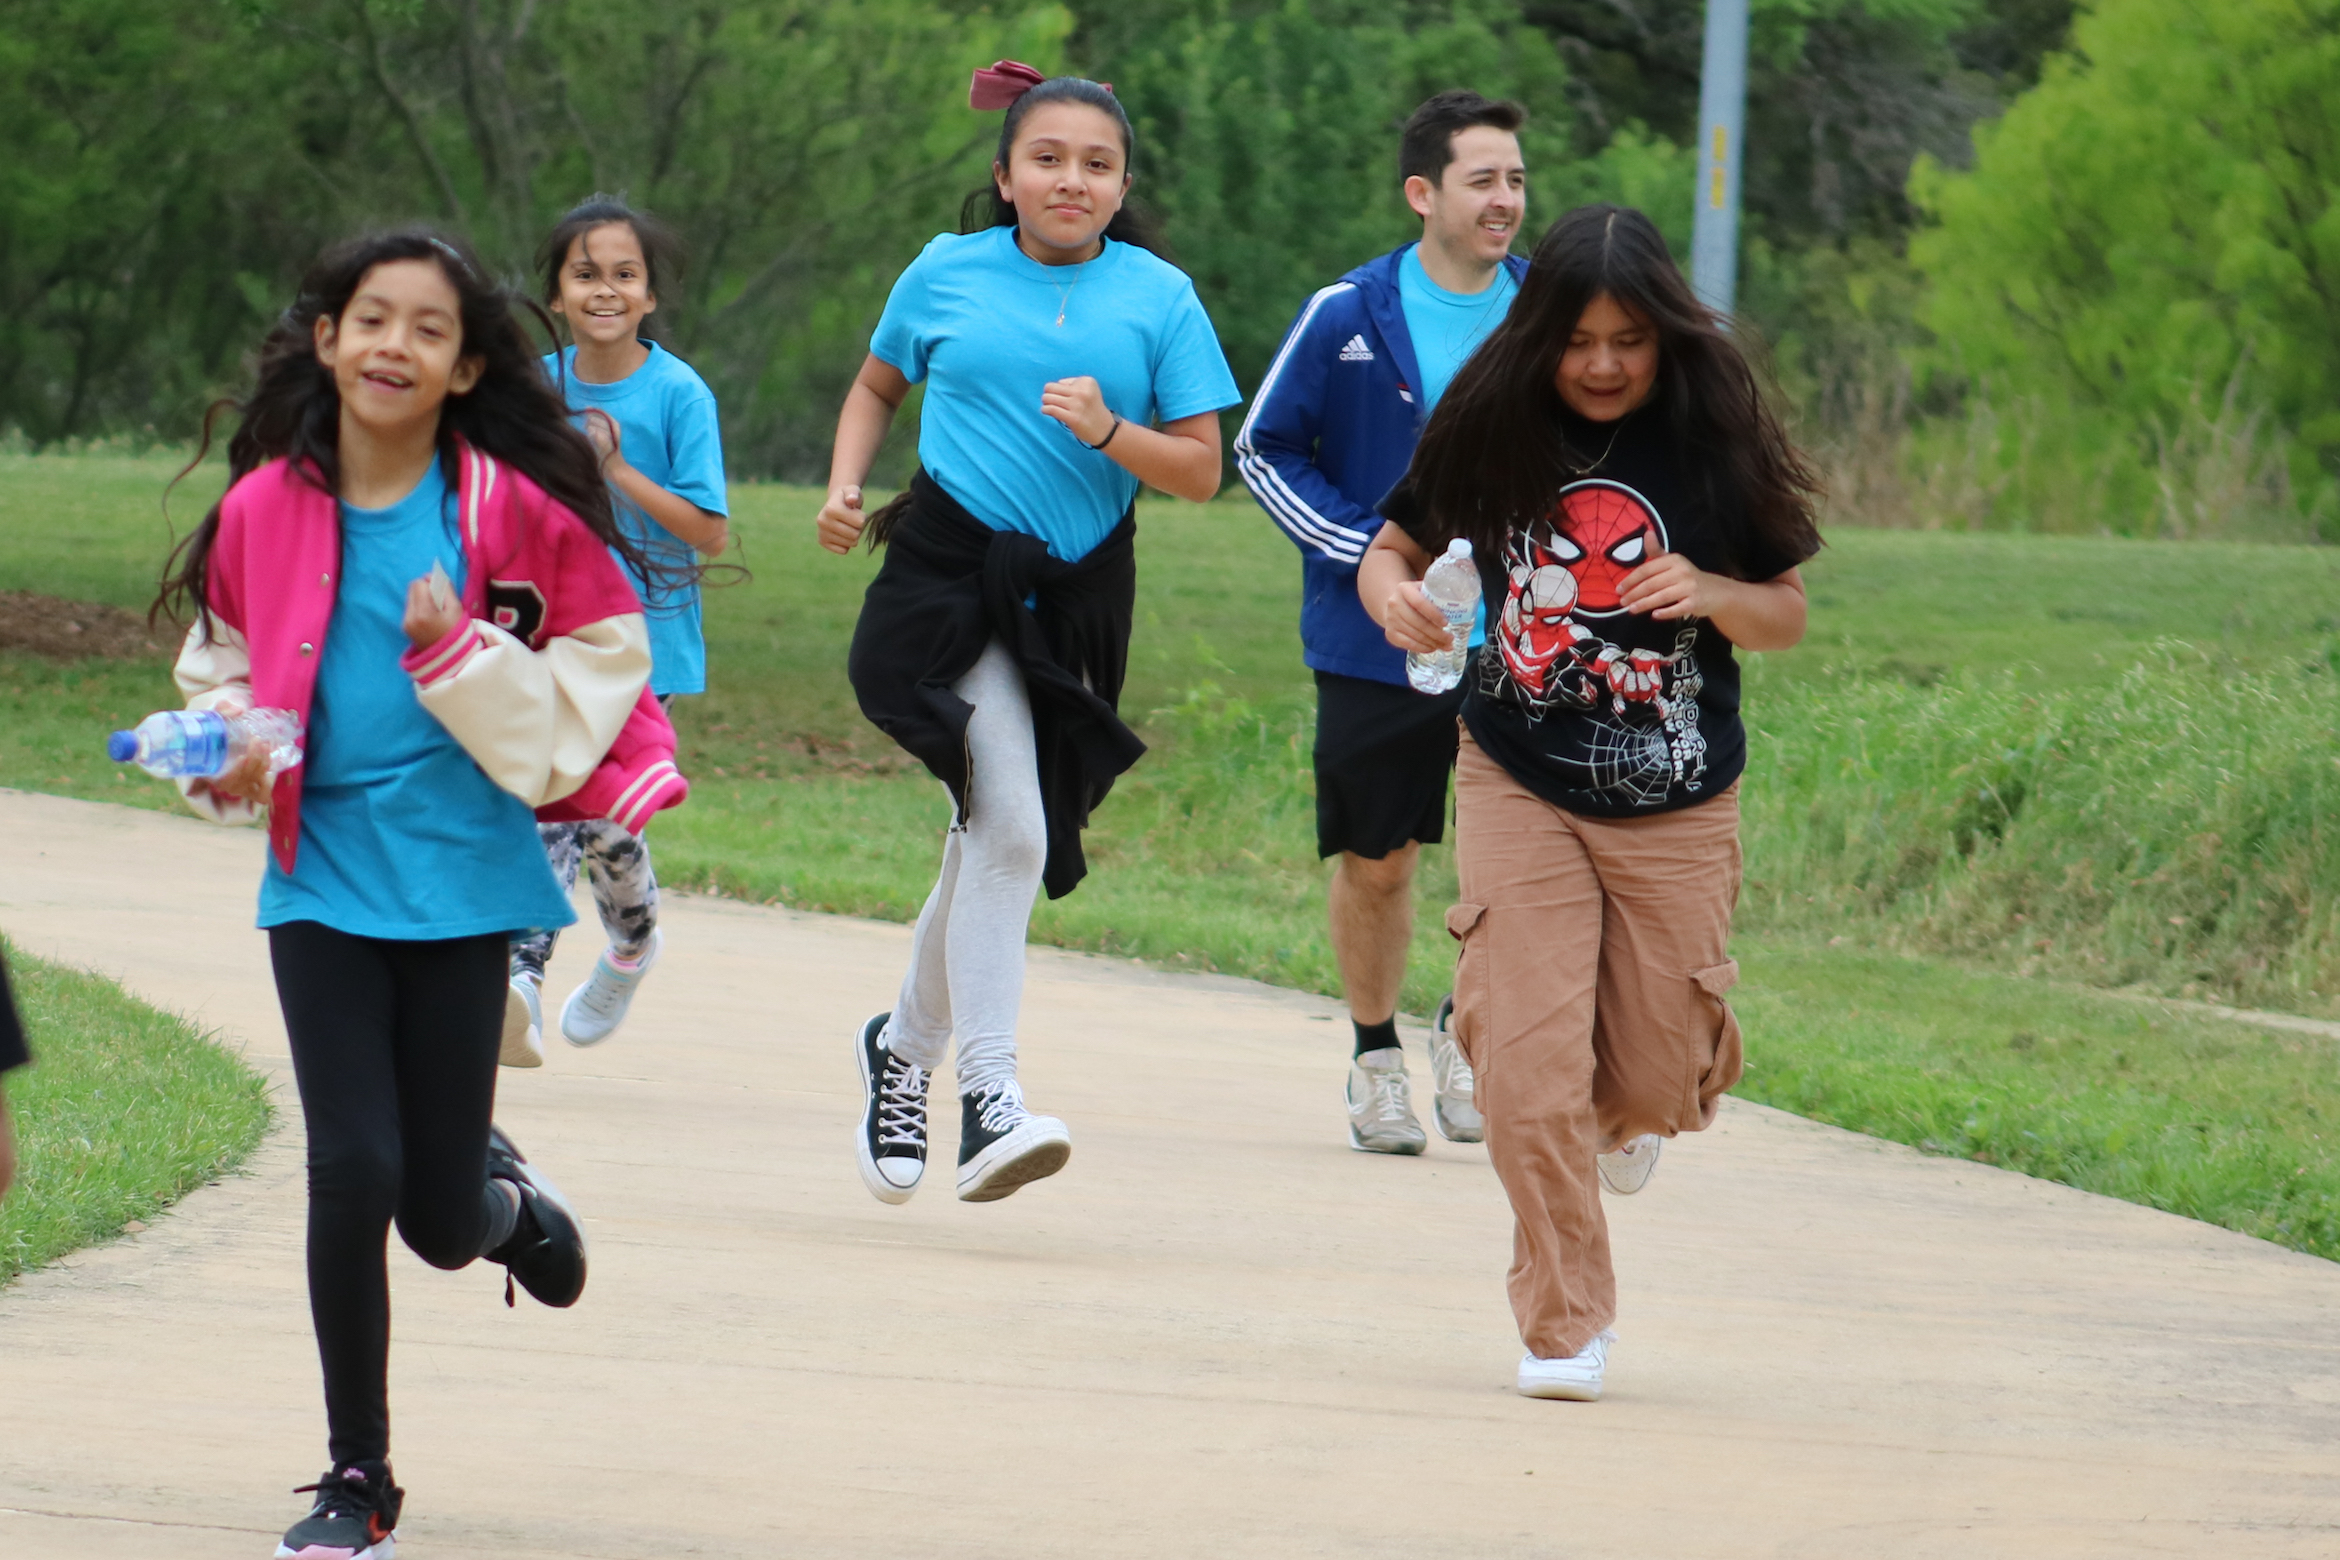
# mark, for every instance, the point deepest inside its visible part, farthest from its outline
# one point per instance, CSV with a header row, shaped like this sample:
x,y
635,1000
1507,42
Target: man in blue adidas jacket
x,y
1330,431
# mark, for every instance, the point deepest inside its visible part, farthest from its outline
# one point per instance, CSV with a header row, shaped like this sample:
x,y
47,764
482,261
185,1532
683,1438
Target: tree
x,y
2151,238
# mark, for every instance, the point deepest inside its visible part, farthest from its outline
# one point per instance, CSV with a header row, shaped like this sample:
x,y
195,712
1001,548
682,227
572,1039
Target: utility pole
x,y
1722,119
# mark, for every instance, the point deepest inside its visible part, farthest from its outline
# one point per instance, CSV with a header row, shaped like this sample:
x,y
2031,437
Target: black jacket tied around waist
x,y
949,586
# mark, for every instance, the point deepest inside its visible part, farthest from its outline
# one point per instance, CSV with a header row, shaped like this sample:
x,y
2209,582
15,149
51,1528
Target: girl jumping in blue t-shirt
x,y
415,559
1064,364
652,420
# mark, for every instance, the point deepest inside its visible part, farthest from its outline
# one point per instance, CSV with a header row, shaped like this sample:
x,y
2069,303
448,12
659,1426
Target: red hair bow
x,y
1003,83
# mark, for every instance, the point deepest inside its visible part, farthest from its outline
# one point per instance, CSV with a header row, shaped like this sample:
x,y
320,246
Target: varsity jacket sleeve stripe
x,y
214,669
1274,452
537,721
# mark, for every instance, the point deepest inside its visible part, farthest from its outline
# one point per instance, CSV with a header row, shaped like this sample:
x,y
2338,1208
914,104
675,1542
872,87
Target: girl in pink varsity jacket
x,y
415,557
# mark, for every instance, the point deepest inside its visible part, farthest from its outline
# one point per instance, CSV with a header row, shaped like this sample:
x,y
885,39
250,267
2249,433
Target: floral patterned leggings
x,y
625,890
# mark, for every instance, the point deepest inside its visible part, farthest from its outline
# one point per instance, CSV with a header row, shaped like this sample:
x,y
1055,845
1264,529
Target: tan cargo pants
x,y
1589,1000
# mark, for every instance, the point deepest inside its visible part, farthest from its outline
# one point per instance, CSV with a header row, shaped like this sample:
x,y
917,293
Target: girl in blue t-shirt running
x,y
652,420
1064,363
414,557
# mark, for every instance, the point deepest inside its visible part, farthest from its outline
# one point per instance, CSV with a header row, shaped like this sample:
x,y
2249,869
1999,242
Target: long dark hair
x,y
987,208
1495,454
662,247
294,409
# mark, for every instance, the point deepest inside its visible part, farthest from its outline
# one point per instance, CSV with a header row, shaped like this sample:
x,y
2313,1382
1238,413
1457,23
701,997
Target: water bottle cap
x,y
122,746
1460,547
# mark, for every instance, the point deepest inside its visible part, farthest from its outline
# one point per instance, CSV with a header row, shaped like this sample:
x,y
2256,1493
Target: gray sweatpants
x,y
967,956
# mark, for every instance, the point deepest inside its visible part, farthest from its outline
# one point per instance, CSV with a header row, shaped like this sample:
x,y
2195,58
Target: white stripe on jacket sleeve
x,y
1341,543
539,721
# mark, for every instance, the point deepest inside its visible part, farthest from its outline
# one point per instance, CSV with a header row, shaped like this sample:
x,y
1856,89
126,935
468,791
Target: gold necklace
x,y
1586,471
1064,293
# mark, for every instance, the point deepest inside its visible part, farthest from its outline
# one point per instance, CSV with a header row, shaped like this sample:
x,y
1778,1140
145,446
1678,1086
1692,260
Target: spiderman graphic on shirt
x,y
1634,711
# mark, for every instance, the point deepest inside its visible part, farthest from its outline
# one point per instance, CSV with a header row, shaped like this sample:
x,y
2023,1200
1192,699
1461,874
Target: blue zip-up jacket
x,y
1330,431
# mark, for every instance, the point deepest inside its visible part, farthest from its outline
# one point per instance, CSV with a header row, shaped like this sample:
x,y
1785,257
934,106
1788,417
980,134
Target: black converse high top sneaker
x,y
1002,1145
890,1144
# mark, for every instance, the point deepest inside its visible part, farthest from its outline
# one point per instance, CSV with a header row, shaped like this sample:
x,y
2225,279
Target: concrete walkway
x,y
1219,1333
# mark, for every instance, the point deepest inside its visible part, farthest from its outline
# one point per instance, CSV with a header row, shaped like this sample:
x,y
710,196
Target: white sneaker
x,y
523,1025
1381,1105
1573,1380
1454,1107
595,1009
1627,1170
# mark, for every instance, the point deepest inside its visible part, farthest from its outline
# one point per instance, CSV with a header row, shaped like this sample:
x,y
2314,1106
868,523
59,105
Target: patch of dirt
x,y
60,630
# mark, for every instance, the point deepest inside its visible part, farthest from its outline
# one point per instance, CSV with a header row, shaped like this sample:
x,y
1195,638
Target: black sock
x,y
1375,1037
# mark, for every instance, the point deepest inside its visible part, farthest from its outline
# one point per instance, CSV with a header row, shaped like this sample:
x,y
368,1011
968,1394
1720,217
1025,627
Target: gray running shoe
x,y
1381,1105
523,1025
1576,1379
1627,1168
1454,1107
594,1010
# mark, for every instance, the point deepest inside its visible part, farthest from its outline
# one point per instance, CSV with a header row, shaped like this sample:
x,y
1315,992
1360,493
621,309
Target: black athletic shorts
x,y
1383,753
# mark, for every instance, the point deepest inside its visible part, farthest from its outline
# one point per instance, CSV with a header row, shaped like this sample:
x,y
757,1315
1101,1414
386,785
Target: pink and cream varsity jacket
x,y
546,686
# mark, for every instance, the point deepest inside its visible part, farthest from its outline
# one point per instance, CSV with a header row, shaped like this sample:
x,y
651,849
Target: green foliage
x,y
2140,278
1267,134
173,166
124,1111
2167,832
2184,1113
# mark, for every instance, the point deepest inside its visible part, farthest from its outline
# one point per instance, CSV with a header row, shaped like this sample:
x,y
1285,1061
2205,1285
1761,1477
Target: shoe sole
x,y
1563,1392
1363,1147
573,1228
516,1051
657,946
882,1189
385,1549
1028,1154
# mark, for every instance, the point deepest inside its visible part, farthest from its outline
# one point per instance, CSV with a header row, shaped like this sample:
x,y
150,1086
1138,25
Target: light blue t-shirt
x,y
666,423
974,317
402,835
1447,328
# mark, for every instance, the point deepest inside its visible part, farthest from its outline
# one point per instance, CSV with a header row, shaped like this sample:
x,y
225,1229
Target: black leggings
x,y
394,1046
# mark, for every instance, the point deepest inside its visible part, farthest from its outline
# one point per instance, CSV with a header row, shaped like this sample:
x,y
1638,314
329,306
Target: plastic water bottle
x,y
198,744
1453,588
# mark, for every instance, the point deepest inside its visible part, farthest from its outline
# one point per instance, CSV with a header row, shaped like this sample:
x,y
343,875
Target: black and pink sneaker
x,y
355,1518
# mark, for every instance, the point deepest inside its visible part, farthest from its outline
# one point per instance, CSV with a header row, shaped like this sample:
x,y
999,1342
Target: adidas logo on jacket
x,y
1331,429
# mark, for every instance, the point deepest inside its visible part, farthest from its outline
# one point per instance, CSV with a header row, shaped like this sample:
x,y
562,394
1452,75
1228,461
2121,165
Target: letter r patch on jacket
x,y
517,607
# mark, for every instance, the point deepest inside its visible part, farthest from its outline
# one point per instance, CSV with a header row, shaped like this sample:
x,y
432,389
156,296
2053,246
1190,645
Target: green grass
x,y
1996,756
124,1111
2212,1120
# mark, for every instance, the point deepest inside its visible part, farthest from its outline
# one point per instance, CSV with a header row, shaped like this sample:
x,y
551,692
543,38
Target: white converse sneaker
x,y
1002,1145
1381,1105
1454,1107
1574,1380
523,1025
595,1009
890,1143
1627,1168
